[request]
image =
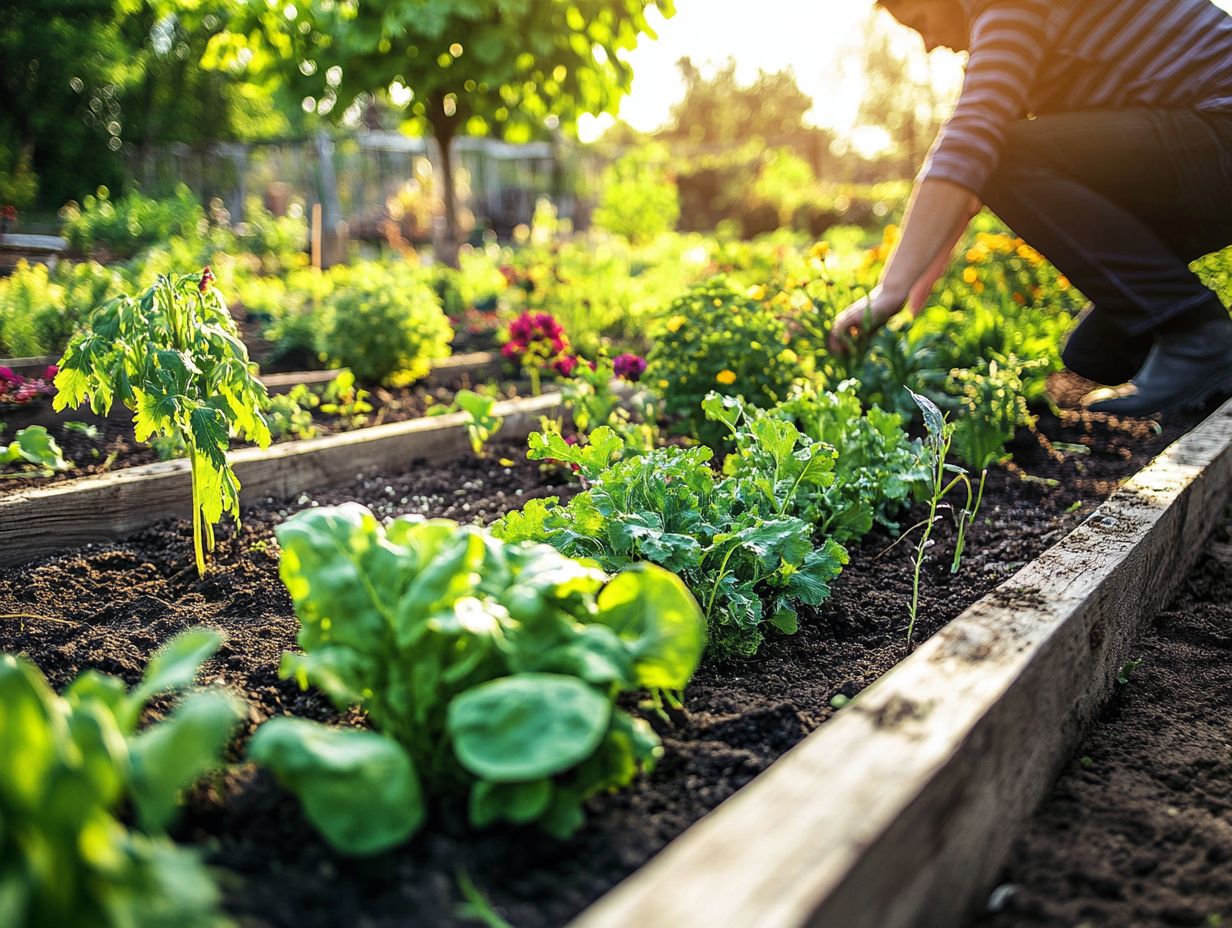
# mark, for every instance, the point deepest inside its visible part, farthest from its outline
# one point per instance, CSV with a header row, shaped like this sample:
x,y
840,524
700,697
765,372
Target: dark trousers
x,y
1121,201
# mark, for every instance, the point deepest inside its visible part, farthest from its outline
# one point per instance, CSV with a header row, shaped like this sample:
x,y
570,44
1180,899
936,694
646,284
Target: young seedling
x,y
940,434
481,424
174,357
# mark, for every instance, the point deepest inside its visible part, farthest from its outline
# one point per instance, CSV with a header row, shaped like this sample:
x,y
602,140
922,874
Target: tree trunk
x,y
447,241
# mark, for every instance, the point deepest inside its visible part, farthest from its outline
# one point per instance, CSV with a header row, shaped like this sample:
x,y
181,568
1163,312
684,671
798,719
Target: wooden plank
x,y
29,367
39,522
462,368
901,810
32,244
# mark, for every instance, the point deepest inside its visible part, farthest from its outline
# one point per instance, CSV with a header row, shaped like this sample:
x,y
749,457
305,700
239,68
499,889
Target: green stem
x,y
197,515
714,590
967,520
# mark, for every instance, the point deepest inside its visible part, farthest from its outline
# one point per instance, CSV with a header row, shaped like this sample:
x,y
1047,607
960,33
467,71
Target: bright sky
x,y
814,38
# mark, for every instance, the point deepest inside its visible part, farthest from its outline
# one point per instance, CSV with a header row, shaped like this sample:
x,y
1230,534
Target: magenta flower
x,y
537,337
7,376
565,365
207,279
629,367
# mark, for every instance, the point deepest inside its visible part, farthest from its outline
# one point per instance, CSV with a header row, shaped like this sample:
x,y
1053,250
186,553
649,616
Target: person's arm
x,y
1008,39
936,218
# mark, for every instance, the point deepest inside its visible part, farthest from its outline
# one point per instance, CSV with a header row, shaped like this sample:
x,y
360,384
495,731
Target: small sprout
x,y
1086,762
1127,671
84,429
839,700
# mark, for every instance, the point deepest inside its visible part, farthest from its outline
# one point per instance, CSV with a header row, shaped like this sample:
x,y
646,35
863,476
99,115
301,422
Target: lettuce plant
x,y
732,539
35,449
490,672
174,357
878,468
70,763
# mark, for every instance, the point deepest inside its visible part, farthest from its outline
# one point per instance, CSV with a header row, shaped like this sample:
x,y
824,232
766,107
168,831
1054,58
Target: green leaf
x,y
517,803
171,756
174,667
359,788
654,612
34,445
526,727
156,413
934,421
28,749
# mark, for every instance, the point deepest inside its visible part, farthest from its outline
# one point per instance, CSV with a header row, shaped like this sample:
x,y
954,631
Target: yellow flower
x,y
757,292
663,384
821,250
976,255
717,302
675,323
1063,283
890,235
978,287
788,356
726,377
970,275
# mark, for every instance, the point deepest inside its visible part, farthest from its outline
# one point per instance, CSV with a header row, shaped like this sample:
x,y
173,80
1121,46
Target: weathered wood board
x,y
900,811
39,522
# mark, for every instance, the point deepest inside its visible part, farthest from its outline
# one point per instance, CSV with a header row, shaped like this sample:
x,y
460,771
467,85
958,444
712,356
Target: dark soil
x,y
115,448
1138,831
109,606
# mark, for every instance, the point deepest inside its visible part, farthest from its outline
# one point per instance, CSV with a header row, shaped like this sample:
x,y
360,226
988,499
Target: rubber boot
x,y
1190,363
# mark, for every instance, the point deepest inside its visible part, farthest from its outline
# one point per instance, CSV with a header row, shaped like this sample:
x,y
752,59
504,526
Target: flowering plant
x,y
17,390
629,367
538,340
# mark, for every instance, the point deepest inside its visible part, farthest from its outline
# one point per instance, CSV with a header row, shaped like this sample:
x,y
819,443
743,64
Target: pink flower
x,y
536,335
565,365
207,279
7,376
50,373
629,367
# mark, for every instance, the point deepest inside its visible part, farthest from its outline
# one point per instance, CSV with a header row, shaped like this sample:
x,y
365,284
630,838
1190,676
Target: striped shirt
x,y
1032,57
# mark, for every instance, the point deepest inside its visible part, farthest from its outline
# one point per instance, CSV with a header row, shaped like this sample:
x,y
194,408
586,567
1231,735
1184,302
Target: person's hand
x,y
863,317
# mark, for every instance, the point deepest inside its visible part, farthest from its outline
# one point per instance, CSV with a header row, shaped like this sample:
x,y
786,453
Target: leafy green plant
x,y
638,195
481,423
878,467
123,227
714,338
34,446
174,357
341,397
730,539
290,414
490,672
69,764
386,325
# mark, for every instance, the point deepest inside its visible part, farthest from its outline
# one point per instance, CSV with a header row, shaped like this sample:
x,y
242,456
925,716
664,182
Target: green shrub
x,y
638,199
134,221
714,338
24,298
386,325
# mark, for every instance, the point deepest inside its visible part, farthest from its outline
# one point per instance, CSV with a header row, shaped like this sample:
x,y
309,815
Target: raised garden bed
x,y
107,606
1136,831
114,448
